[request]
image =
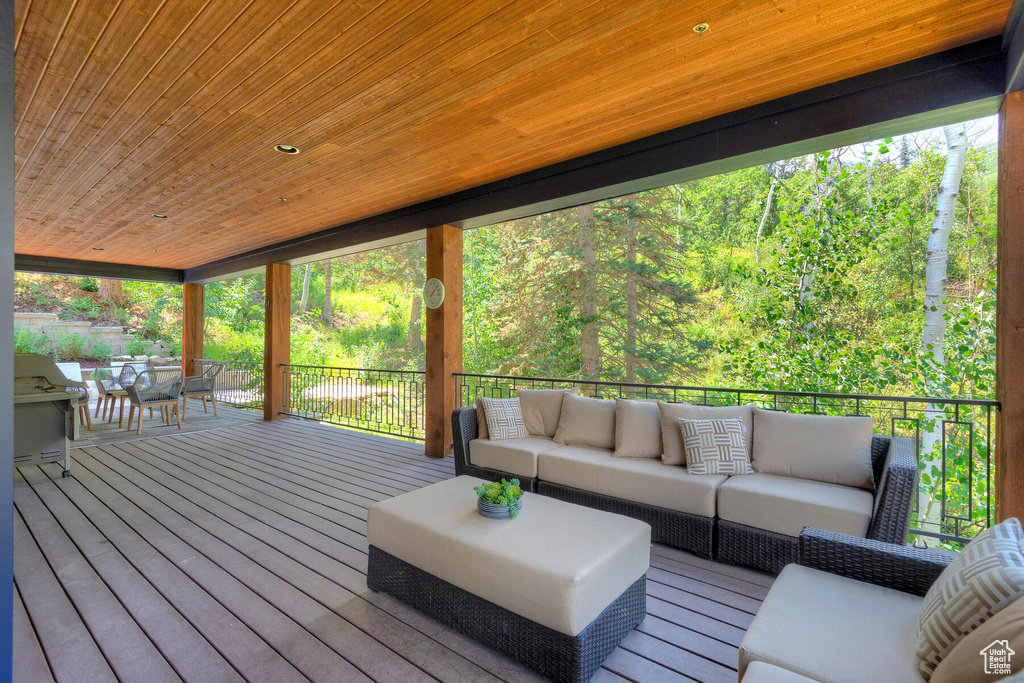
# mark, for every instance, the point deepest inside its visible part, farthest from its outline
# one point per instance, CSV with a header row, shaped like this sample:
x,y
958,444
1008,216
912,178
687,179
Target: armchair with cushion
x,y
201,386
152,389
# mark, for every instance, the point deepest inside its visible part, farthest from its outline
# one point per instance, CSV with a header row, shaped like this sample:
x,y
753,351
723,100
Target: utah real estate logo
x,y
997,657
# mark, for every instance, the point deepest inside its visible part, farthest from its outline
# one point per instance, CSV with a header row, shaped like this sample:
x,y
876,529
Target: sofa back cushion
x,y
986,577
504,419
637,429
587,422
965,662
835,450
481,420
672,438
541,409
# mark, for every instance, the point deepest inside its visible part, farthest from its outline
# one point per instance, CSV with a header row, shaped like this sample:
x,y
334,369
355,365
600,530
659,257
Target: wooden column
x,y
1009,469
444,337
276,339
191,326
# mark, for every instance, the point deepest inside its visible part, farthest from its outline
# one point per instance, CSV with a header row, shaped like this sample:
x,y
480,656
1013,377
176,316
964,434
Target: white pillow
x,y
715,446
504,419
984,578
835,450
586,422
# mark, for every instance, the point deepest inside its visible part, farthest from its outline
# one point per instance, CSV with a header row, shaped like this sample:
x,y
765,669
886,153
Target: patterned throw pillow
x,y
715,446
984,578
504,419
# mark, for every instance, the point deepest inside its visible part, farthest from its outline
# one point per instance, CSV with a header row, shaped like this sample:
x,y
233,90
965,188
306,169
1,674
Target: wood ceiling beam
x,y
951,86
28,263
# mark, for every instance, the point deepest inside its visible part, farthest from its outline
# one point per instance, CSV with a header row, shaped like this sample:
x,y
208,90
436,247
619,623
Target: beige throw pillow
x,y
715,446
481,420
586,422
836,450
504,419
637,429
985,577
674,453
984,653
541,409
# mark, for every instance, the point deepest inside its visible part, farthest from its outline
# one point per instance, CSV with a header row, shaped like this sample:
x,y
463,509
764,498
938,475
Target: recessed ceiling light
x,y
97,248
159,215
286,149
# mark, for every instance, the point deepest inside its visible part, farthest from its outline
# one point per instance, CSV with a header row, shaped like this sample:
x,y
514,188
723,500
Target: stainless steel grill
x,y
44,412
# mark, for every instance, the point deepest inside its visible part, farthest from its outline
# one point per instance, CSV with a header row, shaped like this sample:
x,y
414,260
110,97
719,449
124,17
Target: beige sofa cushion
x,y
637,429
983,579
481,420
517,456
786,505
834,629
541,409
964,663
557,564
836,450
636,479
759,672
675,454
586,422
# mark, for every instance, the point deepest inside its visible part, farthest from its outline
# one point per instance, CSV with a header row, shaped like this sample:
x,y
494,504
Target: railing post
x,y
276,339
1009,473
191,326
444,337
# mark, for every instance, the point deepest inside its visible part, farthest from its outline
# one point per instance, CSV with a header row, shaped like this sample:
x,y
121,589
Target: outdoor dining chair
x,y
201,387
73,371
155,389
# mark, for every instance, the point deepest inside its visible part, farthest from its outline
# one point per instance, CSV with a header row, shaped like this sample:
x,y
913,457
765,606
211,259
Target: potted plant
x,y
499,500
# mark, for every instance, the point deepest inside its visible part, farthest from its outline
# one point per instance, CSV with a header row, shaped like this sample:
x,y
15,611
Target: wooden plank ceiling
x,y
128,108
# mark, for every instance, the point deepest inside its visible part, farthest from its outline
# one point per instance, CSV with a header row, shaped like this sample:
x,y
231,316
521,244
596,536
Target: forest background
x,y
806,274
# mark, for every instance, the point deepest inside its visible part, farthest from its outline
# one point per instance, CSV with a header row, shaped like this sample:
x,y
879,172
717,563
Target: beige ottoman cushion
x,y
786,505
759,672
517,456
557,564
834,629
636,479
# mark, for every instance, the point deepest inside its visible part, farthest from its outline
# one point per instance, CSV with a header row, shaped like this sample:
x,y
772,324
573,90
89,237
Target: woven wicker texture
x,y
901,567
553,654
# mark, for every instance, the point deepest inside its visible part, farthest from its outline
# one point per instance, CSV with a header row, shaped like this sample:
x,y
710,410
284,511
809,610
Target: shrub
x,y
101,351
136,348
89,284
70,347
27,341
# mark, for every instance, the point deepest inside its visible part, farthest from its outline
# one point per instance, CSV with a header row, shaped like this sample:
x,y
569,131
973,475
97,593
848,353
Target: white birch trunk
x,y
936,262
305,289
764,219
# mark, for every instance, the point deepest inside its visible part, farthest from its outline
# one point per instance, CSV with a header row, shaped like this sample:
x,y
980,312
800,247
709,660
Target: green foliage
x,y
27,341
505,492
136,348
88,284
70,347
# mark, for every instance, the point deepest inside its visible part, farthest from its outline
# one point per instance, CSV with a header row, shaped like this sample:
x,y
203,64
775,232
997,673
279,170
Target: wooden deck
x,y
239,553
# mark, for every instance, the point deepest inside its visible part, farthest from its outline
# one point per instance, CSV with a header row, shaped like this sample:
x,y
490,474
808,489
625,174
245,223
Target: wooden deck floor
x,y
239,553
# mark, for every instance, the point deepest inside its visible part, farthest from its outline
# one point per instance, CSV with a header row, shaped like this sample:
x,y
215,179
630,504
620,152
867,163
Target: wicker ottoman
x,y
556,589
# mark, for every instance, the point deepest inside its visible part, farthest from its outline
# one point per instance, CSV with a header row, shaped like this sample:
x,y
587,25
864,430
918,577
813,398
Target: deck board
x,y
239,553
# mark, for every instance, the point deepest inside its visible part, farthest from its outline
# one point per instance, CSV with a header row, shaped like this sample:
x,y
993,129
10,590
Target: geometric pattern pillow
x,y
984,578
715,446
504,419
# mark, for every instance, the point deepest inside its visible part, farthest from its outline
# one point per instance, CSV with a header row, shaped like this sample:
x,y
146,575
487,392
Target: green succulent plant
x,y
506,492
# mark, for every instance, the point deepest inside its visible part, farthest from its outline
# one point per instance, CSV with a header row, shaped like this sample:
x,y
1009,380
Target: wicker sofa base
x,y
677,529
525,483
553,654
764,550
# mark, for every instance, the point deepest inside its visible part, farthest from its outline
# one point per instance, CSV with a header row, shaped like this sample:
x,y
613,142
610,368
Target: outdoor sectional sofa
x,y
752,519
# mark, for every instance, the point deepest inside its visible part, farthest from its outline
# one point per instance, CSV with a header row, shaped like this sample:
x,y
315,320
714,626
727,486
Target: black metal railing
x,y
240,383
954,437
382,401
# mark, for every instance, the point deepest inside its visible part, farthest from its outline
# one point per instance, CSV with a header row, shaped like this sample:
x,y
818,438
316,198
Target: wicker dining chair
x,y
201,387
152,389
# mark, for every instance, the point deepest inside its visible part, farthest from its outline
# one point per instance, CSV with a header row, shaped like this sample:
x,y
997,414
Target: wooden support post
x,y
444,337
276,339
1009,470
191,326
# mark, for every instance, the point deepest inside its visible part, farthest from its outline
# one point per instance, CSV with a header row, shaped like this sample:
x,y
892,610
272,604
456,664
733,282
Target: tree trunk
x,y
415,339
933,337
631,300
305,288
328,313
111,291
764,219
590,347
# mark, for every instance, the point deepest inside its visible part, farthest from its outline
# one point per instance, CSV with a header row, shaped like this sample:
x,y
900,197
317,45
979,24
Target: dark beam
x,y
1013,46
27,263
956,85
